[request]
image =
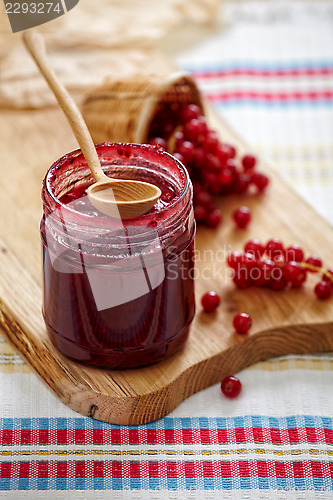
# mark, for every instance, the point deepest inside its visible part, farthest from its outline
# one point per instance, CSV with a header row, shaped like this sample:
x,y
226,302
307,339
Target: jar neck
x,y
70,227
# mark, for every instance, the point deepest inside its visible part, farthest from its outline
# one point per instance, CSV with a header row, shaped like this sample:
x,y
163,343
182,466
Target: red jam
x,y
118,294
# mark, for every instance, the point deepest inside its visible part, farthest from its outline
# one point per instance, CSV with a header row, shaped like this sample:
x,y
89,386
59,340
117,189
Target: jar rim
x,y
150,148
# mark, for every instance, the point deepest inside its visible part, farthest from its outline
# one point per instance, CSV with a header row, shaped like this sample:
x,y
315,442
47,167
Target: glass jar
x,y
118,293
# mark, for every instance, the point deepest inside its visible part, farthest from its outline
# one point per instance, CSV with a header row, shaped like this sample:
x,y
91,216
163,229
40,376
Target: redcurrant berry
x,y
323,290
193,129
264,274
255,247
329,278
213,163
186,149
249,262
242,322
249,162
274,249
231,386
242,278
214,218
203,198
242,217
210,142
242,183
231,149
189,112
294,253
200,213
278,284
235,259
210,301
223,152
291,271
226,177
260,180
300,279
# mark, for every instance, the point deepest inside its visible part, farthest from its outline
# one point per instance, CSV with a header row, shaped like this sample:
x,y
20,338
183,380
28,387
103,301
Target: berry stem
x,y
171,144
316,269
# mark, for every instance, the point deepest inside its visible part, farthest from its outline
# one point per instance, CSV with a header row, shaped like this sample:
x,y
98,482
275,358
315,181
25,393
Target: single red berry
x,y
294,253
291,271
189,112
199,157
210,179
261,275
314,261
213,164
231,149
193,129
249,161
211,141
242,322
186,149
242,217
300,279
255,247
242,278
203,198
223,152
260,180
242,183
323,290
231,386
278,284
226,177
329,279
204,127
249,262
235,259
178,139
200,213
210,301
274,249
214,218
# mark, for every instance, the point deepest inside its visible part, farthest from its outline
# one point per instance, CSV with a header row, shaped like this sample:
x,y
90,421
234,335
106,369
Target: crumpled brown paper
x,y
93,41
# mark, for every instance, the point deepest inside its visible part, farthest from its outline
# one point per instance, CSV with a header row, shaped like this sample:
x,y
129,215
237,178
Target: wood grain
x,y
284,322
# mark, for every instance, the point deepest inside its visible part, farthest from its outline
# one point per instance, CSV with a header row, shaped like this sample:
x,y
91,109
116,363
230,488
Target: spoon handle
x,y
36,46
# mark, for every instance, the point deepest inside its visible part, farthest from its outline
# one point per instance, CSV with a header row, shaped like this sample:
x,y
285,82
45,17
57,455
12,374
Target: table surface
x,y
270,75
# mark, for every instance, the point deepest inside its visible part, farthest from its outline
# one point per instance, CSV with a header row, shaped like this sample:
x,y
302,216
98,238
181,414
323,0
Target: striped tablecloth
x,y
268,68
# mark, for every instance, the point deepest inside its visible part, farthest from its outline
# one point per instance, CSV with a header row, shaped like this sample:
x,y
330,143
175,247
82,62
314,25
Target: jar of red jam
x,y
118,293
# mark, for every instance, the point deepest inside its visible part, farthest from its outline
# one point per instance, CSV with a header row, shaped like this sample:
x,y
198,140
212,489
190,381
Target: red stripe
x,y
168,436
263,73
159,469
269,96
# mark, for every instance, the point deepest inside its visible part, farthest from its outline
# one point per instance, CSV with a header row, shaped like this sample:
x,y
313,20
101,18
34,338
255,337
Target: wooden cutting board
x,y
283,322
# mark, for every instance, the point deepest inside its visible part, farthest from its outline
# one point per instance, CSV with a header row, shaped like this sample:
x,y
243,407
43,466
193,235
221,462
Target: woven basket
x,y
122,110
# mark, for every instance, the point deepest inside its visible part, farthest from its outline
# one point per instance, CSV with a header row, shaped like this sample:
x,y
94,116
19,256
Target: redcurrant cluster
x,y
277,267
212,165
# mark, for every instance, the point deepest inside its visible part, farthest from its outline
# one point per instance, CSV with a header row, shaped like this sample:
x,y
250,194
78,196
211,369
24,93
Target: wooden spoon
x,y
116,197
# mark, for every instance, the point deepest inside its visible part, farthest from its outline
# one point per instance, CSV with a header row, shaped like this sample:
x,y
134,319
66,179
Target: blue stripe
x,y
259,66
290,422
173,484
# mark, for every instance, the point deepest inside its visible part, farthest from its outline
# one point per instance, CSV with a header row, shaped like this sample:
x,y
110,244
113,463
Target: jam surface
x,y
137,332
79,201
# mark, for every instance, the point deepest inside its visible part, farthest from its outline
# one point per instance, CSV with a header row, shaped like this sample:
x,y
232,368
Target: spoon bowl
x,y
126,199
